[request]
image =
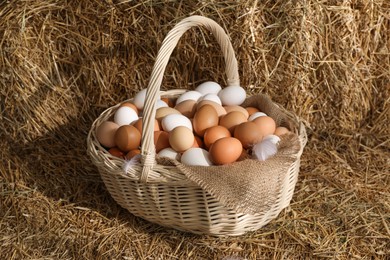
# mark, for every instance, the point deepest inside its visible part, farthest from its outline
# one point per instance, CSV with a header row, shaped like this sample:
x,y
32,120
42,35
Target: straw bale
x,y
63,62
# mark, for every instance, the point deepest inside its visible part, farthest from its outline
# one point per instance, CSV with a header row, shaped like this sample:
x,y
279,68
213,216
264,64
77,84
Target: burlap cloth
x,y
249,186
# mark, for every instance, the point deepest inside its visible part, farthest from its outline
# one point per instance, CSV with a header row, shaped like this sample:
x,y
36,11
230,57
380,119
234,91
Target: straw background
x,y
63,62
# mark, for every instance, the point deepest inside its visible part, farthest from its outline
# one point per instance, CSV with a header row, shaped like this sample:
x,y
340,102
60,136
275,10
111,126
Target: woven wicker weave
x,y
163,194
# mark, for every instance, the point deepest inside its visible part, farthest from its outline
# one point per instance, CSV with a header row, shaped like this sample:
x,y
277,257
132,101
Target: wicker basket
x,y
163,194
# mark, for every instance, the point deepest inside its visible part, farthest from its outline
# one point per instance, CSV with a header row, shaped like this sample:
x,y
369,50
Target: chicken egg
x,y
266,124
196,156
214,133
190,95
248,133
181,138
187,108
231,120
172,121
204,118
127,138
281,131
225,150
208,87
237,108
105,133
161,140
170,153
232,96
125,116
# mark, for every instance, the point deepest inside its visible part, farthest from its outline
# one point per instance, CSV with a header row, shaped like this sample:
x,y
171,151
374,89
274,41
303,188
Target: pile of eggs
x,y
206,126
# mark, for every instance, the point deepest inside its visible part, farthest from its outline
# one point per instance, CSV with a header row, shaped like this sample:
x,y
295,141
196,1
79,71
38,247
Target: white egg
x,y
125,116
232,96
190,95
172,121
139,99
170,153
256,115
160,103
211,97
196,156
208,87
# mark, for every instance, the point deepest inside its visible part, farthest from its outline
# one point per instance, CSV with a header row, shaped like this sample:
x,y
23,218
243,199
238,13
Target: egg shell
x,y
220,110
208,87
139,123
198,143
236,108
211,97
127,138
266,124
125,116
161,140
204,118
132,153
164,111
231,120
187,108
170,101
225,150
172,121
160,103
139,99
196,156
252,110
181,138
170,153
116,152
214,133
256,115
190,95
105,133
248,133
131,105
280,130
232,96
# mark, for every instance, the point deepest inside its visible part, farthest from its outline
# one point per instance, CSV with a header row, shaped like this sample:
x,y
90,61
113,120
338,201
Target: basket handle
x,y
168,45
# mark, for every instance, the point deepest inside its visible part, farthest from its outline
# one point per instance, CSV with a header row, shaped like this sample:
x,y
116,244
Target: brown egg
x,y
266,125
204,118
132,153
127,138
236,108
251,110
225,150
181,138
131,105
139,123
105,133
164,111
116,152
198,143
231,120
248,133
214,133
161,140
220,110
169,101
187,108
281,131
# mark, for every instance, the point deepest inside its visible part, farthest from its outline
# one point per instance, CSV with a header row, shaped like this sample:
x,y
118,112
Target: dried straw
x,y
63,62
